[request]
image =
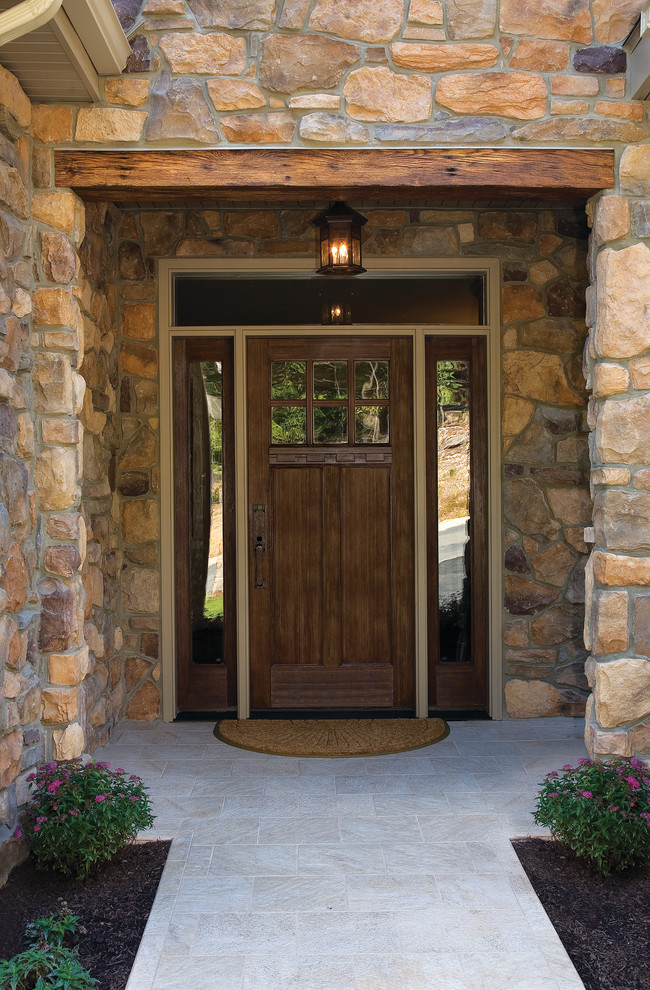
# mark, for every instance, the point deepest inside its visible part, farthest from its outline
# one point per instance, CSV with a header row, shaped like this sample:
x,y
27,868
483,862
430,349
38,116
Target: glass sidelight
x,y
457,521
204,523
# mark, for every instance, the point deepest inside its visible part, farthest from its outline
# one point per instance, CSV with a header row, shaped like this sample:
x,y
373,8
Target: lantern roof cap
x,y
339,210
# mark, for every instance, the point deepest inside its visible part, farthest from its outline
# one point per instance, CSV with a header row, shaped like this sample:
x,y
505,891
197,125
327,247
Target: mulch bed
x,y
603,922
113,905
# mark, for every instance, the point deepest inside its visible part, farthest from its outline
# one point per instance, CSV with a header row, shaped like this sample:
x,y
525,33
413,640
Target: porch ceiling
x,y
396,174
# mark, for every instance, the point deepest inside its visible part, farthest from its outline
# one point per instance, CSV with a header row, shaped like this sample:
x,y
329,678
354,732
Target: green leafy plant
x,y
600,810
47,964
80,815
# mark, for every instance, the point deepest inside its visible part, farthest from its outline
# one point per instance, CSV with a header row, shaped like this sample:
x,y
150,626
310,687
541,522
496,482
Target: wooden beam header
x,y
391,173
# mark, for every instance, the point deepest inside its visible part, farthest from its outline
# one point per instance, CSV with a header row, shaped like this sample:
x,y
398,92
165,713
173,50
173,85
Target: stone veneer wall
x,y
617,626
368,72
546,499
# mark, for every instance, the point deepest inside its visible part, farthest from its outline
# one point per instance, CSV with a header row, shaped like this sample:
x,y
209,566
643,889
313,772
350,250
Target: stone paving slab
x,y
385,873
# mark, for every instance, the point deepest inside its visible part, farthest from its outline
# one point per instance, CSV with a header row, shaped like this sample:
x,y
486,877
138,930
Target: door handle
x,y
259,543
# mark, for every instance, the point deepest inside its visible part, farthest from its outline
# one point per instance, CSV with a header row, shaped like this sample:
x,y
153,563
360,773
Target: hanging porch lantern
x,y
340,240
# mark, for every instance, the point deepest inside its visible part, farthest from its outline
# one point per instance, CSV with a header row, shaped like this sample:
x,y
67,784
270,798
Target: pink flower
x,y
53,786
133,777
567,766
633,782
586,794
32,776
41,820
134,798
100,797
18,833
554,794
37,828
120,770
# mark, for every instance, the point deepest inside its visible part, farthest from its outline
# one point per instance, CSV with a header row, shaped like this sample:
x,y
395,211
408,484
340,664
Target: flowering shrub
x,y
600,810
47,962
81,815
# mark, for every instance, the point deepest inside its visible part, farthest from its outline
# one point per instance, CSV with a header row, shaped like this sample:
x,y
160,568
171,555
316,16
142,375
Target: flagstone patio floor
x,y
384,873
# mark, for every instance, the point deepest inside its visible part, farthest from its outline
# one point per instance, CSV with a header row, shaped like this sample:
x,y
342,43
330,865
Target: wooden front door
x,y
331,530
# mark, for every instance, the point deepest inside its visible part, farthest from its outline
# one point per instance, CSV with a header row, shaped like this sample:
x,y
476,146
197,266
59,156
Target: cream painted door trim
x,y
381,267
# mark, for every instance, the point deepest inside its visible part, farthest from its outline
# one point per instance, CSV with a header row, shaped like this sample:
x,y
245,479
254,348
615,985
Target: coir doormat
x,y
338,737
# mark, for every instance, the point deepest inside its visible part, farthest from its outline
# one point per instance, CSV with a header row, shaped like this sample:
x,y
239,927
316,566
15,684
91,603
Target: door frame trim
x,y
384,267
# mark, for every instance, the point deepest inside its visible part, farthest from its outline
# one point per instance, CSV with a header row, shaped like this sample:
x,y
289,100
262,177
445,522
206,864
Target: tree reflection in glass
x,y
453,458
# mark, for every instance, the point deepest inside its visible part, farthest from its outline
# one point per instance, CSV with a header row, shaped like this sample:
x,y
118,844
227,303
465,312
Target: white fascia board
x,y
26,17
101,34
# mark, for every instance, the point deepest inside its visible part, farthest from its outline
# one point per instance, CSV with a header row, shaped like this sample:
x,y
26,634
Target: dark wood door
x,y
204,524
330,474
457,515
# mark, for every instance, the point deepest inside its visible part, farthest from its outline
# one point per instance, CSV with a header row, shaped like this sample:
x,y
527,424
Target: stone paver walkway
x,y
389,873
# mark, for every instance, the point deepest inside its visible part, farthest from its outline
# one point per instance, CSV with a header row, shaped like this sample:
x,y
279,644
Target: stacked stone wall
x,y
617,626
546,501
236,73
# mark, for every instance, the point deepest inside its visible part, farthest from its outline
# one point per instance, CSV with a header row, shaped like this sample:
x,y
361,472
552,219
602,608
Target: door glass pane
x,y
330,380
330,424
288,380
206,512
453,458
370,380
288,424
371,424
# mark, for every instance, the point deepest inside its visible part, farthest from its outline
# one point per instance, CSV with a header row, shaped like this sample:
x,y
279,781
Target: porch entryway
x,y
352,874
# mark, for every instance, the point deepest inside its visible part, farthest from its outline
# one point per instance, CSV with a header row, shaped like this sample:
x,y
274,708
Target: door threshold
x,y
314,713
204,716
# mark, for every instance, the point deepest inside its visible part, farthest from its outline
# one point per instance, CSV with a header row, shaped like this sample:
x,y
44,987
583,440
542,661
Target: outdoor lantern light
x,y
340,240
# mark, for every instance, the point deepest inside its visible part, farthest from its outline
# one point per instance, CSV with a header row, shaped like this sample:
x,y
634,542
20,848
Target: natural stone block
x,y
536,375
380,94
540,56
55,478
68,669
140,451
525,508
25,435
521,95
427,241
135,671
640,371
161,231
617,108
244,15
62,560
622,692
610,622
580,129
609,379
315,101
622,431
622,520
179,109
144,706
251,223
603,58
464,129
332,128
140,58
612,219
140,591
554,565
538,699
294,13
62,210
556,625
569,106
235,94
53,307
14,583
140,521
623,293
640,740
641,625
503,226
58,257
11,748
208,54
526,597
59,705
471,18
634,171
139,321
572,506
52,383
138,359
108,124
68,743
642,479
51,123
443,58
575,86
304,61
365,20
516,414
261,128
566,20
614,21
604,744
617,570
130,92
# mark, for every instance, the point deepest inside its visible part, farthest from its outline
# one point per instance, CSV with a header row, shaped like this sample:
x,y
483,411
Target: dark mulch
x,y
603,922
113,905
